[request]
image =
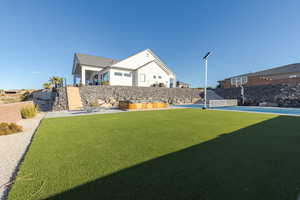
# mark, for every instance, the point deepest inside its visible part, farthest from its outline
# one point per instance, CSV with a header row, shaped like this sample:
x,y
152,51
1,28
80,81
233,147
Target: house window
x,y
239,80
105,76
127,74
244,79
159,77
233,81
142,77
118,74
154,76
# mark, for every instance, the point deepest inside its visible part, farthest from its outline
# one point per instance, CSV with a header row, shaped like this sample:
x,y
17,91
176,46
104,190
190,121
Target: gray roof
x,y
285,69
96,61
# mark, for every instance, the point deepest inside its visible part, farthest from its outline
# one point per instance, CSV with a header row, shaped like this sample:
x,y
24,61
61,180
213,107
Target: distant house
x,y
142,69
283,74
181,84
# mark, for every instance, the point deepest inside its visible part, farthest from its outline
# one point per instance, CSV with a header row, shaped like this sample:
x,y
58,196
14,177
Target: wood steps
x,y
74,99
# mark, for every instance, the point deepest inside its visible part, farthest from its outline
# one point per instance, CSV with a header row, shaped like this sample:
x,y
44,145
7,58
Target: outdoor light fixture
x,y
205,86
206,55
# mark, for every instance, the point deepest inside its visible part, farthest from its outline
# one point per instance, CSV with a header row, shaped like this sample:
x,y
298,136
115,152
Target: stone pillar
x,y
82,76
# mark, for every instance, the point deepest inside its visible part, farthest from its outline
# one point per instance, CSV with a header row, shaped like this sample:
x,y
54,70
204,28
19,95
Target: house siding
x,y
120,80
152,70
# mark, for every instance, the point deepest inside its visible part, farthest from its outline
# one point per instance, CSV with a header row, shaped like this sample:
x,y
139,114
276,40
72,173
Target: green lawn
x,y
171,154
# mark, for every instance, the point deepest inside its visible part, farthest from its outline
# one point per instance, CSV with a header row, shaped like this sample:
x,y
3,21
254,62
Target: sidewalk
x,y
12,149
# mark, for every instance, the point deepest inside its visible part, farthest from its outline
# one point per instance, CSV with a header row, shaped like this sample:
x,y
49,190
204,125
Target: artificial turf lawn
x,y
171,154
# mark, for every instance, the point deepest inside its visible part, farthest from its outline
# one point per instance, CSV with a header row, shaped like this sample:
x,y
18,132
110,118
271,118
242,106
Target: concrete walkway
x,y
66,113
12,149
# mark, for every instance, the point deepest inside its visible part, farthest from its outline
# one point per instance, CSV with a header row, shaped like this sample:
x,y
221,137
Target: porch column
x,y
83,76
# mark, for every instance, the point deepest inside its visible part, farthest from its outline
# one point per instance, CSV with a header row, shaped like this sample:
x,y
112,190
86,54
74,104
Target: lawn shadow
x,y
257,162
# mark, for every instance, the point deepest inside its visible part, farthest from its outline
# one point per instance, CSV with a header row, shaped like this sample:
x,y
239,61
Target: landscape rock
x,y
283,95
111,95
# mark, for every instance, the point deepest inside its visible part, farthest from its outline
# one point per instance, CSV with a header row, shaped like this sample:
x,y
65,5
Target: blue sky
x,y
38,38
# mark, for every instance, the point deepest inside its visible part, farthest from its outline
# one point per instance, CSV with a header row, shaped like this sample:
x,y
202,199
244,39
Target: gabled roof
x,y
95,61
159,62
285,69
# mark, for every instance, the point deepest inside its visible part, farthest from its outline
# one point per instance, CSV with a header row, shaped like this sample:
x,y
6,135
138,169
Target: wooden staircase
x,y
74,99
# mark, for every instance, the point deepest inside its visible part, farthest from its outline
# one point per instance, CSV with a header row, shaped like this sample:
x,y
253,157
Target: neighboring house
x,y
283,74
142,69
181,84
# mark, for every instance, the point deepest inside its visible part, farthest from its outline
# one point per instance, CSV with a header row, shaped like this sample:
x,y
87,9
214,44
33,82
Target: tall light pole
x,y
205,84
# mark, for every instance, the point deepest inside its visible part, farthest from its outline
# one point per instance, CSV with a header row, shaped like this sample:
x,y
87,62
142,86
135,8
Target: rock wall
x,y
284,95
111,95
44,99
60,99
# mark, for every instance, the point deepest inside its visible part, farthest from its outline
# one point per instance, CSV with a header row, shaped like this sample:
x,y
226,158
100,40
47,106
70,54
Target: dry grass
x,y
9,128
29,112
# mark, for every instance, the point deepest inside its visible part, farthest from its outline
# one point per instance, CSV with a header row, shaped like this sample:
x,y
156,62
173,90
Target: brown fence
x,y
11,112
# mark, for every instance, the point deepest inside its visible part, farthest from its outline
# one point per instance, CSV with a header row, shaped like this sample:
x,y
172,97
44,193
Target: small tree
x,y
56,81
47,85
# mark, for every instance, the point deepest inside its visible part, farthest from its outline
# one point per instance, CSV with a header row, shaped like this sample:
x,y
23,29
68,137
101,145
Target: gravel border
x,y
12,150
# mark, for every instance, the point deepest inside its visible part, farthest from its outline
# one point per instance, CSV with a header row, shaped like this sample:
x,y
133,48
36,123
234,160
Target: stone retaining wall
x,y
60,101
11,112
111,95
284,95
44,99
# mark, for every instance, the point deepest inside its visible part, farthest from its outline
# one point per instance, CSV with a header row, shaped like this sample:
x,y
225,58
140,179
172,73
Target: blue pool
x,y
283,111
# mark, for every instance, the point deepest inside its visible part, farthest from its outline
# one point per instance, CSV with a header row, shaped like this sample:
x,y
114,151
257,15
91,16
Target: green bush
x,y
94,104
104,83
6,128
29,112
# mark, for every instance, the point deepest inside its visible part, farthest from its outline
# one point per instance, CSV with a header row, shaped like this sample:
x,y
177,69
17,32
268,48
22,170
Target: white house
x,y
142,69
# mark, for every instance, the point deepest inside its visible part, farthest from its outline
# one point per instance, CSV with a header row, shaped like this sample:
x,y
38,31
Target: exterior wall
x,y
11,112
135,61
271,80
150,70
225,83
265,80
120,80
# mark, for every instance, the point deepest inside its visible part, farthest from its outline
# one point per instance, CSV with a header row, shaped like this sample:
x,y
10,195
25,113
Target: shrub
x,y
6,128
94,104
25,96
29,112
161,85
104,83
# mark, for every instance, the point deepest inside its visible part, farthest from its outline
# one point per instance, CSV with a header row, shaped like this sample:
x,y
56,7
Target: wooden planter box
x,y
128,105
